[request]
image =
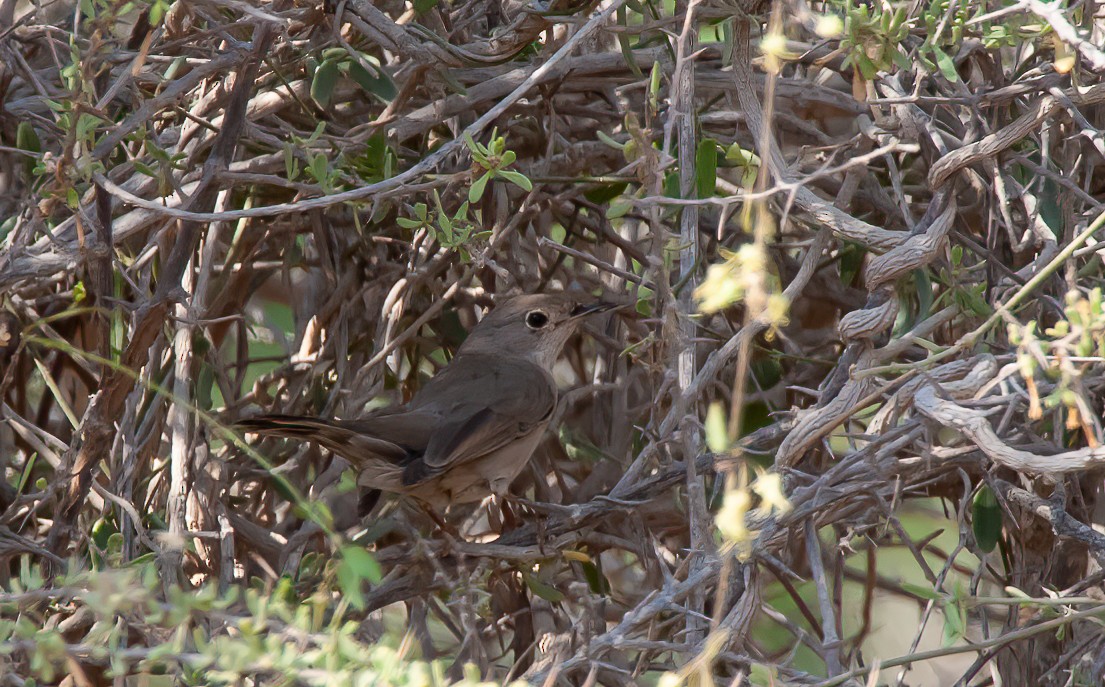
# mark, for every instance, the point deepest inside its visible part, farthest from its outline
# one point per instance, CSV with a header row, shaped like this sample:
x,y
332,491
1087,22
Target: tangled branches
x,y
864,259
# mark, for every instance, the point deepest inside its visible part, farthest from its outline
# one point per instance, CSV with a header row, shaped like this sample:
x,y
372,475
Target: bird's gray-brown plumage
x,y
471,429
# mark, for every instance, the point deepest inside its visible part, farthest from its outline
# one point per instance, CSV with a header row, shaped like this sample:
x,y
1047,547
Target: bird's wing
x,y
484,404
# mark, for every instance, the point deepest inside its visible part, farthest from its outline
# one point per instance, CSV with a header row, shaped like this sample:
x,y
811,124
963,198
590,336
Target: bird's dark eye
x,y
535,319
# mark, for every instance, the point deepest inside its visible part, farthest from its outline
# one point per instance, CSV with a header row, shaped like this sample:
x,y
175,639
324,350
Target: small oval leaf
x,y
544,591
378,84
986,519
322,85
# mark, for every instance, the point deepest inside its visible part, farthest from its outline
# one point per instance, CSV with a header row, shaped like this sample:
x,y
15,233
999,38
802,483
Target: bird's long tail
x,y
376,459
343,438
291,426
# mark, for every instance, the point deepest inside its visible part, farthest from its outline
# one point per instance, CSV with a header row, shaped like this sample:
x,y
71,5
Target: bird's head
x,y
533,326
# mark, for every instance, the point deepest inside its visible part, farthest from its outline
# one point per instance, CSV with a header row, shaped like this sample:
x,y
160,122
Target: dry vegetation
x,y
214,207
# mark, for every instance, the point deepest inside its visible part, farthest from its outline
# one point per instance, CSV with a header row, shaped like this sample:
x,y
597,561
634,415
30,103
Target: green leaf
x,y
378,84
158,154
671,185
319,128
1051,210
102,530
955,622
322,85
756,415
291,164
974,301
446,225
606,192
595,579
320,168
363,563
986,519
145,169
727,43
479,153
350,586
475,193
617,210
356,566
423,6
923,592
544,591
900,58
763,675
27,139
626,48
865,65
852,256
86,124
518,179
609,141
946,64
25,476
745,159
706,167
654,87
925,296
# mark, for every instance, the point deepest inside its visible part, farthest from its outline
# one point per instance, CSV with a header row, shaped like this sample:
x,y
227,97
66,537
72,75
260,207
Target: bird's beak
x,y
591,308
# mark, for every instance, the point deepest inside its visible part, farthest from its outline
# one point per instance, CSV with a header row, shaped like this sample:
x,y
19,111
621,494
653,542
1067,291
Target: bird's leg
x,y
495,513
512,508
439,521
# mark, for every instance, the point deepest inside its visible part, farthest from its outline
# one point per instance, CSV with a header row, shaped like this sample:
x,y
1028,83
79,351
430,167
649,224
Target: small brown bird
x,y
472,428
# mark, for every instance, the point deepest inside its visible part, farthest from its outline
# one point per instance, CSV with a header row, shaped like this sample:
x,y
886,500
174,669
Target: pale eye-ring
x,y
536,319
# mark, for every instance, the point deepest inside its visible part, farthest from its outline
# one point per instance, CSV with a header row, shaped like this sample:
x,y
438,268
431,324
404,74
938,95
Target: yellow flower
x,y
769,487
669,680
730,518
719,289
